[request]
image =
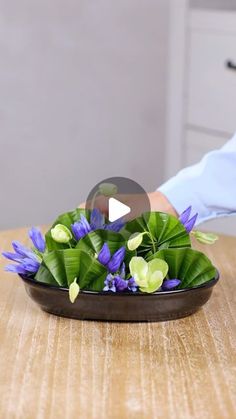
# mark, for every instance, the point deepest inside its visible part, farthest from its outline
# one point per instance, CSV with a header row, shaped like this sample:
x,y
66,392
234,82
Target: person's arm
x,y
209,186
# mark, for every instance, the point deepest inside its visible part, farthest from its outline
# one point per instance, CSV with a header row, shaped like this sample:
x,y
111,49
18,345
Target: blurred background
x,y
94,89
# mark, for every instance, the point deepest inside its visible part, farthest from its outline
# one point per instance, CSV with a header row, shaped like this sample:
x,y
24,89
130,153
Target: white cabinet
x,y
202,88
211,89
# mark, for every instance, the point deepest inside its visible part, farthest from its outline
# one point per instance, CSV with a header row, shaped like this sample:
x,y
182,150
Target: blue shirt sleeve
x,y
209,186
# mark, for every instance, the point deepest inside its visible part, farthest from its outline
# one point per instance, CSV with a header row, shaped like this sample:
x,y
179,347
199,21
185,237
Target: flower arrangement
x,y
82,251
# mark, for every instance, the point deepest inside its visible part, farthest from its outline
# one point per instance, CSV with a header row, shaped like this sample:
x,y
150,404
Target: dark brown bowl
x,y
132,307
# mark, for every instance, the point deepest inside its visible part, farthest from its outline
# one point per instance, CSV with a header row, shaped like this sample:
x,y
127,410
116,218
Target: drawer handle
x,y
231,65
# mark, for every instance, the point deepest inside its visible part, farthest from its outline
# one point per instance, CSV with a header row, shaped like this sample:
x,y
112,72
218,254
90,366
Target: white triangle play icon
x,y
117,209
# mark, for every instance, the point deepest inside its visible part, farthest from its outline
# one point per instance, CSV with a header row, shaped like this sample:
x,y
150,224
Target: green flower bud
x,y
205,238
61,234
135,240
108,189
74,291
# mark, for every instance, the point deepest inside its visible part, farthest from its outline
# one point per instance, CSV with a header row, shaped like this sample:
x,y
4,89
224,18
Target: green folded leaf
x,y
54,261
67,264
92,274
45,276
165,229
190,266
93,242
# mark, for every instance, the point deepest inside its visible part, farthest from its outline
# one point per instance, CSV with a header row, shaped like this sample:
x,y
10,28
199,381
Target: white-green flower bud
x,y
74,291
205,238
61,234
135,240
108,189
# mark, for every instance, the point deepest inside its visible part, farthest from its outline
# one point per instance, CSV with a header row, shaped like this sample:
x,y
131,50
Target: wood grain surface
x,y
52,367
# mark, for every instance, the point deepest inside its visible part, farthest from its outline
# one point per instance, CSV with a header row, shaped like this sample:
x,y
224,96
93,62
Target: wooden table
x,y
51,367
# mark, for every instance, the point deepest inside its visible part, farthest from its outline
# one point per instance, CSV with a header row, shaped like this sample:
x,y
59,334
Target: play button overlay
x,y
118,198
117,209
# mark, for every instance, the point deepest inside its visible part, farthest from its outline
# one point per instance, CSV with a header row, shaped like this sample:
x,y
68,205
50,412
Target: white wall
x,y
82,97
213,4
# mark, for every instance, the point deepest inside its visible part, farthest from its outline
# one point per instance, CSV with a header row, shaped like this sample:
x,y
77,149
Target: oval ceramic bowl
x,y
132,307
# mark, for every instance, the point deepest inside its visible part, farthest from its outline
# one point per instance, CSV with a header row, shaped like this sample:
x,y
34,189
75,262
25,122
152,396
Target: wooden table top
x,y
52,367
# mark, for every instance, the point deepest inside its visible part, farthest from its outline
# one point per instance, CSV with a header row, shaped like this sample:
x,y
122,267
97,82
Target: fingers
x,y
136,202
101,203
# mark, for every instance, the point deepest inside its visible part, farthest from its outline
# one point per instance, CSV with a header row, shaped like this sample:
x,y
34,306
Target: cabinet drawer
x,y
211,90
197,144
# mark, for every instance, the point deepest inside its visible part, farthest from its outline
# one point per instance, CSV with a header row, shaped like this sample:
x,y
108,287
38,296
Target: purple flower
x,y
120,283
30,265
183,218
187,222
27,261
132,286
116,260
115,280
23,251
37,239
104,255
122,271
17,269
12,256
97,221
81,228
190,224
109,283
115,226
170,284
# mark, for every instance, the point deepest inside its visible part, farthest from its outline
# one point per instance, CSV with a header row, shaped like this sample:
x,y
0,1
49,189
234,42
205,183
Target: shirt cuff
x,y
181,197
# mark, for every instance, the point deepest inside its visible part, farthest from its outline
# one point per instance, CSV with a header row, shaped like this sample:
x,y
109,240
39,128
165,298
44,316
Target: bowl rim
x,y
208,284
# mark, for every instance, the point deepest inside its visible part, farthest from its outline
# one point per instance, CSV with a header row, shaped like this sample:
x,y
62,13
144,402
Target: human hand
x,y
158,202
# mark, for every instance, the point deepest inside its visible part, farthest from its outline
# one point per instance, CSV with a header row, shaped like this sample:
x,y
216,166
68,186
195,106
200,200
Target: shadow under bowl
x,y
125,307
